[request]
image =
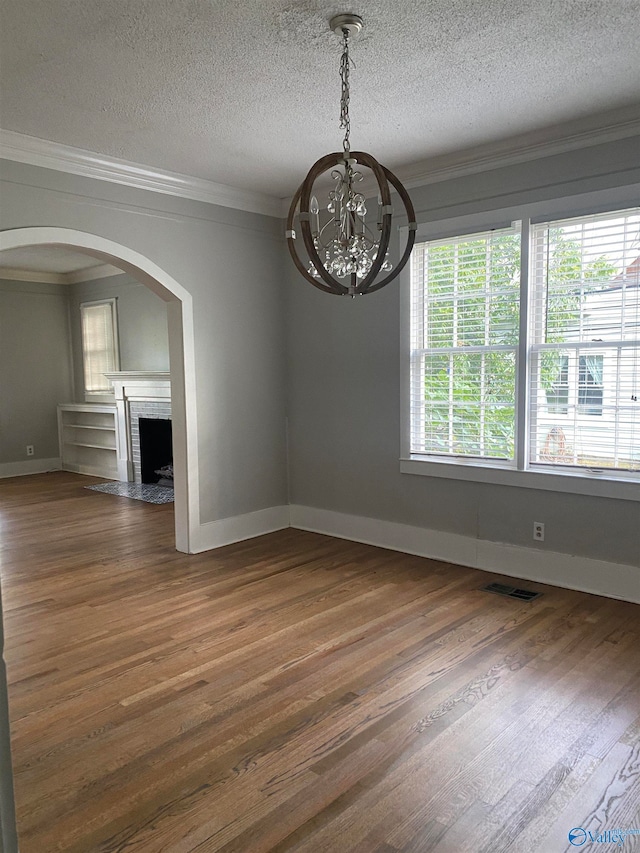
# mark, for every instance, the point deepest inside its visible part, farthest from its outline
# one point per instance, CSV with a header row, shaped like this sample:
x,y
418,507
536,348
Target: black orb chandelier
x,y
345,254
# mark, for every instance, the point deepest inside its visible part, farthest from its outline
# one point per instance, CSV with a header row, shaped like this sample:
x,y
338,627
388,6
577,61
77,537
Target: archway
x,y
181,352
183,398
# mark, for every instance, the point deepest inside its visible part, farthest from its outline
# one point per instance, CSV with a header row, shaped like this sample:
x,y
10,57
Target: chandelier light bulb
x,y
345,254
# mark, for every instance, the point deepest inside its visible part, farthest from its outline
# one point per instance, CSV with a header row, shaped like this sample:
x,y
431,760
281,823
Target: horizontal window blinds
x,y
464,344
585,342
98,345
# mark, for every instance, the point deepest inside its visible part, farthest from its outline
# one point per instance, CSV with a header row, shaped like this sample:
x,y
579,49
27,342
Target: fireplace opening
x,y
156,451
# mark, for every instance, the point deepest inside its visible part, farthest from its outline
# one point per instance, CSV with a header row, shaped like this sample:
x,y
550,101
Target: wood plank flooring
x,y
300,693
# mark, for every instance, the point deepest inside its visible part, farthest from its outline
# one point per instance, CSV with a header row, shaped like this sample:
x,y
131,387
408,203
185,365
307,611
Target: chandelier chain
x,y
345,64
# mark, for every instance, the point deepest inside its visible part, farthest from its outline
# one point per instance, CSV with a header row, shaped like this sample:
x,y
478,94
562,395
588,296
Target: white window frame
x,y
419,353
100,396
600,483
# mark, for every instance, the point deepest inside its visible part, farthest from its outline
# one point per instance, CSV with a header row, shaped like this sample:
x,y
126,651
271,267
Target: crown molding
x,y
91,274
75,277
13,274
483,158
77,161
506,152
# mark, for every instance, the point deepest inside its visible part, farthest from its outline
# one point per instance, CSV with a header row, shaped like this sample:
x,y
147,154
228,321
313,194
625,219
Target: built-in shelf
x,y
89,426
86,444
92,452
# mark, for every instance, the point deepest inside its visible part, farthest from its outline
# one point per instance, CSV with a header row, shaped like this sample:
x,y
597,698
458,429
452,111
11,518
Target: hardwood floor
x,y
300,693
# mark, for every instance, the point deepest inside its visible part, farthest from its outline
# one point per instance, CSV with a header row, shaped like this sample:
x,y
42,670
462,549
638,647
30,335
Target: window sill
x,y
101,397
589,483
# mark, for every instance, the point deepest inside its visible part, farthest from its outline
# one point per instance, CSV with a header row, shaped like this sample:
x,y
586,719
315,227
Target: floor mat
x,y
147,492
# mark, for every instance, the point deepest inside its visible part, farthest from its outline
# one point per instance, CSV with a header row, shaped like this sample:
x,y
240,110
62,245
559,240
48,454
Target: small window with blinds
x,y
99,345
584,389
464,345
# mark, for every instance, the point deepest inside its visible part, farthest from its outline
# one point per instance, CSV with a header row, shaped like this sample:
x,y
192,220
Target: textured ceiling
x,y
246,93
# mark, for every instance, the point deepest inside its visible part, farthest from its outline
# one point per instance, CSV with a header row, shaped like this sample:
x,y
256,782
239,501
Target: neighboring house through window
x,y
534,365
590,390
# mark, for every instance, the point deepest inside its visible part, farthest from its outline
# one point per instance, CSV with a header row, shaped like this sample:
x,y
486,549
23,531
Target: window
x,y
556,392
99,345
590,384
465,338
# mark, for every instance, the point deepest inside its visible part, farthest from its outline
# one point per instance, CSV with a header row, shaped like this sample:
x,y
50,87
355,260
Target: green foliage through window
x,y
471,302
465,320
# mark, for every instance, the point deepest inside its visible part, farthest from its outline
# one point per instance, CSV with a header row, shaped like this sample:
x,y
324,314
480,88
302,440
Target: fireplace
x,y
156,450
137,413
139,395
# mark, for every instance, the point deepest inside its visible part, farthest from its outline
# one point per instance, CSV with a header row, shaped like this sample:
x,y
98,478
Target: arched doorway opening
x,y
181,352
182,368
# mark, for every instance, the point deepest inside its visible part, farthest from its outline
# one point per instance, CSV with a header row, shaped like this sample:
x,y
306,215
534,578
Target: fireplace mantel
x,y
140,384
133,387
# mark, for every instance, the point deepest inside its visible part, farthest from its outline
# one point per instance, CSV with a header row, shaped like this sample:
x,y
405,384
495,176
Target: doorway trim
x,y
181,354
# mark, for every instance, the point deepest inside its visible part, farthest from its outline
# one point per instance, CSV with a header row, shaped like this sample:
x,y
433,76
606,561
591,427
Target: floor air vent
x,y
511,591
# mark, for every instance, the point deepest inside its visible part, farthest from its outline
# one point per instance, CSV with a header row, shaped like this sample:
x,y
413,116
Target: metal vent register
x,y
511,591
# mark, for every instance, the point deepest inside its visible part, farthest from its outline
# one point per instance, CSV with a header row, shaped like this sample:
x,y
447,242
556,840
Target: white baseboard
x,y
90,471
226,531
613,580
28,466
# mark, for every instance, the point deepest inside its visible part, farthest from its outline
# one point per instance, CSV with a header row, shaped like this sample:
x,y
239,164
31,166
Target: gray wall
x,y
231,263
341,357
142,324
41,352
35,367
344,390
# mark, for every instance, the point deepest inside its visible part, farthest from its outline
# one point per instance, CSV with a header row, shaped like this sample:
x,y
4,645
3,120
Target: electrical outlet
x,y
30,450
538,531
